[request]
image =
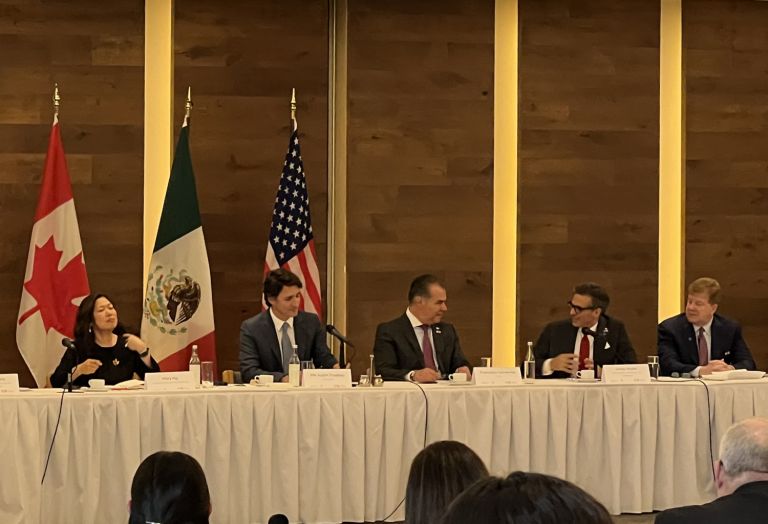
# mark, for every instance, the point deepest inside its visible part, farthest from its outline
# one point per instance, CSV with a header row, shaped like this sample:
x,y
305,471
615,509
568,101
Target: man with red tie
x,y
589,338
699,341
418,346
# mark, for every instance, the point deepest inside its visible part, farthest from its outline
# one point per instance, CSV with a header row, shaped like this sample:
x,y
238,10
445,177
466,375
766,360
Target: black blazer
x,y
747,505
260,352
396,351
679,348
560,337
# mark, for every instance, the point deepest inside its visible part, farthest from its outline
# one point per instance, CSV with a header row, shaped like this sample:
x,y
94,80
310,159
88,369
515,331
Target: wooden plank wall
x,y
95,52
241,60
420,165
726,57
589,144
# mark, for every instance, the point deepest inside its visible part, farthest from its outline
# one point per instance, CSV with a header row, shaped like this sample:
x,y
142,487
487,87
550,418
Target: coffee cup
x,y
265,379
586,374
457,377
96,383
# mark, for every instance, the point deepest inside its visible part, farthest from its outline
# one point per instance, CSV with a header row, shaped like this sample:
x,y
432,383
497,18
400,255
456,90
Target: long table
x,y
343,456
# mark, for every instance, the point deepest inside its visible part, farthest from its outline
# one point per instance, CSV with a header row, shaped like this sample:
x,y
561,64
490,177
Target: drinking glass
x,y
305,364
653,366
206,374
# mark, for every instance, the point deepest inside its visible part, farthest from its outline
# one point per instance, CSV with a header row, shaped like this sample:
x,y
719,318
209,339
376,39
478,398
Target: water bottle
x,y
294,368
529,366
194,366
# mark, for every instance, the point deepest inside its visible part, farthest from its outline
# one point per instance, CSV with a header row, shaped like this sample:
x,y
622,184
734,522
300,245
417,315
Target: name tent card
x,y
9,383
496,376
326,378
626,374
172,381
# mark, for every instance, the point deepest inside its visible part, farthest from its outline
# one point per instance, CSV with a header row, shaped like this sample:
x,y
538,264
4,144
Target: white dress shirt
x,y
279,327
419,332
708,337
546,369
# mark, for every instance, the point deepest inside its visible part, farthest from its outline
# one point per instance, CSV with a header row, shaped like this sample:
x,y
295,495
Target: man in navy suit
x,y
268,340
699,341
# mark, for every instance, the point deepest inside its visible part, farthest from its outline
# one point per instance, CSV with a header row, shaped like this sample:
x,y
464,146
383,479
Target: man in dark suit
x,y
699,341
588,338
267,341
418,346
741,479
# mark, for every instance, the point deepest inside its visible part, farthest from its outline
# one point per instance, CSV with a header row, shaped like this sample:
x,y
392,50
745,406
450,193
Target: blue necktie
x,y
285,342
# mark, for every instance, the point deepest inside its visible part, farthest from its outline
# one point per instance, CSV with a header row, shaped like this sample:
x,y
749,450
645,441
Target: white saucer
x,y
587,380
467,383
95,390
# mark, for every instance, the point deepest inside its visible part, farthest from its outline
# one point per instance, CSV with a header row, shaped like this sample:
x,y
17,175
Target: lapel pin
x,y
116,362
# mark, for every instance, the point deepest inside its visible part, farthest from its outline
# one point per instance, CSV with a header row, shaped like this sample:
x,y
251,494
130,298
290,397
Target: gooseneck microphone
x,y
67,343
336,333
617,359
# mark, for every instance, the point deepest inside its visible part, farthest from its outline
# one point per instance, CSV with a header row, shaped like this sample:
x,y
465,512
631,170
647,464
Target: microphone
x,y
617,359
278,519
67,343
336,333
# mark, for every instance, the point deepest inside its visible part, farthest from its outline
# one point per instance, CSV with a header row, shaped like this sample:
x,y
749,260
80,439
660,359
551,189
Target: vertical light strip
x,y
671,160
336,296
158,115
505,184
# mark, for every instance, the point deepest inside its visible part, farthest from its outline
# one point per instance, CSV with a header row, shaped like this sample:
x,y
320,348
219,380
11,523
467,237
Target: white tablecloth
x,y
343,456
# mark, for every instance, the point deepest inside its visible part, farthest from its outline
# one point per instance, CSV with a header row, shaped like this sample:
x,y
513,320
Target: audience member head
x,y
525,498
169,488
282,292
703,299
743,456
96,313
588,303
439,473
427,298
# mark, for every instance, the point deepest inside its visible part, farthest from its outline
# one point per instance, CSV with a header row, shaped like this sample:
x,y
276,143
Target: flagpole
x,y
293,109
56,99
189,104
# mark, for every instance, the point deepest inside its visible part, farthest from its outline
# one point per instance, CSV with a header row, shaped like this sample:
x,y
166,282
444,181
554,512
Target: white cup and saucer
x,y
262,380
458,379
97,384
586,375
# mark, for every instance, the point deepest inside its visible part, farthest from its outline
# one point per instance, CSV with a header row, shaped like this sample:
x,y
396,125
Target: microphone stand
x,y
342,356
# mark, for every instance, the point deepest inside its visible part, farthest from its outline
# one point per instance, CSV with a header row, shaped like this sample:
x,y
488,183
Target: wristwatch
x,y
410,376
146,352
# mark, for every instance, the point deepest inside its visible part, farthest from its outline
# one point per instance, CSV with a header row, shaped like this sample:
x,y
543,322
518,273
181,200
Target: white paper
x,y
626,374
174,381
9,383
496,376
327,378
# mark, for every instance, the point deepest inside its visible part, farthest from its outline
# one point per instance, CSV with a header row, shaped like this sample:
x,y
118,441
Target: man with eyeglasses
x,y
588,339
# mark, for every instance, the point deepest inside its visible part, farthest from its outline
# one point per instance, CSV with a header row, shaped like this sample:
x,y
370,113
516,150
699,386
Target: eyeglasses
x,y
578,309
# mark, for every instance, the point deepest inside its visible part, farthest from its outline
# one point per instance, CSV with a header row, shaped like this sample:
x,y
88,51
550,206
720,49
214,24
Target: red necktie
x,y
426,344
703,352
583,351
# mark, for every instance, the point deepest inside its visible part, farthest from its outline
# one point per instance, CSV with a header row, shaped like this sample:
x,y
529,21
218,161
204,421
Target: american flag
x,y
291,243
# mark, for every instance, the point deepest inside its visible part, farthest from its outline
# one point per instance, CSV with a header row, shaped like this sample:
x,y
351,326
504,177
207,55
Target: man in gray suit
x,y
267,341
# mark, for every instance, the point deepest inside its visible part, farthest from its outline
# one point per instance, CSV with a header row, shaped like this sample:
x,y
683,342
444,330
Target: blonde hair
x,y
706,286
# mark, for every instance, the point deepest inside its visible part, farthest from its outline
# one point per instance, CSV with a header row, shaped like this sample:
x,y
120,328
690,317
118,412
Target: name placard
x,y
626,374
326,378
173,381
9,383
496,376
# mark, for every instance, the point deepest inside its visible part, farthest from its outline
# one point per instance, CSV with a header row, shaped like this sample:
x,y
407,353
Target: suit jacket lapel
x,y
410,334
271,337
692,344
718,340
437,337
601,338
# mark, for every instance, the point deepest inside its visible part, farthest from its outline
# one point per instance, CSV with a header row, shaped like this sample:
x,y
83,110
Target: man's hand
x,y
588,364
567,362
714,365
86,368
465,370
284,379
426,375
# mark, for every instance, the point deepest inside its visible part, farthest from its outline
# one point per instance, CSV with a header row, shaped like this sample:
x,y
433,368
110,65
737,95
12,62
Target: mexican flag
x,y
178,305
55,281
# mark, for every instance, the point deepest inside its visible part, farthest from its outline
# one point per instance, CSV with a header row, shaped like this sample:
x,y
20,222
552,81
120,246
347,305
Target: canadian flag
x,y
56,281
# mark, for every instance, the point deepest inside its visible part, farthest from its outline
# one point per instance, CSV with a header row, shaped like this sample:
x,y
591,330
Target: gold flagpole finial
x,y
189,100
56,98
293,105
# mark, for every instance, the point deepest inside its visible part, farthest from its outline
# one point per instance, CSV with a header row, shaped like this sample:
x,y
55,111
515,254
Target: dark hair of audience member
x,y
169,488
439,473
525,498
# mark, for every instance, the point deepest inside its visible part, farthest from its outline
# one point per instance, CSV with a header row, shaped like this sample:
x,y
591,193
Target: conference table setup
x,y
343,455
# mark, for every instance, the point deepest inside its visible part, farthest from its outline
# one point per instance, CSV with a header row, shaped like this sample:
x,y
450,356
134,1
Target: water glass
x,y
653,366
206,374
305,364
529,371
485,362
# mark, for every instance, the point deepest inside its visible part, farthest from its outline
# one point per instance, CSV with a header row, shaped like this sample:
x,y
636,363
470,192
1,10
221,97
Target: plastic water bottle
x,y
194,366
529,366
294,368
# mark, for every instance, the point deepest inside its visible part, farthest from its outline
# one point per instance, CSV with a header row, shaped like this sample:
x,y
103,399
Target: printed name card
x,y
626,374
327,378
174,381
496,376
9,383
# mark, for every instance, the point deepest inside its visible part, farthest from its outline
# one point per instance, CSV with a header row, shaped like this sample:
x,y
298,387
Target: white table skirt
x,y
343,456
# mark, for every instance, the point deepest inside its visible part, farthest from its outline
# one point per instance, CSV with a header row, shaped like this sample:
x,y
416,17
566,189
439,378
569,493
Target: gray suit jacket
x,y
260,352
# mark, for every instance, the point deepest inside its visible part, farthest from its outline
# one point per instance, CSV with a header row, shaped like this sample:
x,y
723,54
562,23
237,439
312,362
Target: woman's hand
x,y
134,343
88,367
